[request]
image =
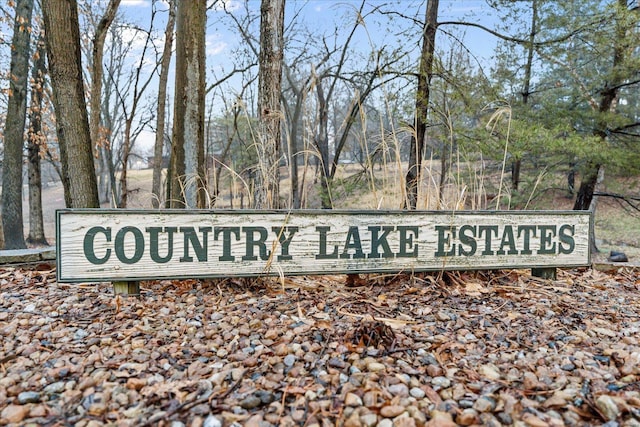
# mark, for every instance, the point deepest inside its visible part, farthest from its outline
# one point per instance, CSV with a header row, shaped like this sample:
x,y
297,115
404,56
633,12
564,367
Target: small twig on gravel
x,y
8,358
190,404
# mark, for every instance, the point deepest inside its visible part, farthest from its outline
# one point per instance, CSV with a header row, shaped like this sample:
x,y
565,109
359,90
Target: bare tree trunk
x,y
12,221
36,138
72,123
126,152
267,185
526,89
156,186
95,105
96,68
322,143
188,176
422,104
294,120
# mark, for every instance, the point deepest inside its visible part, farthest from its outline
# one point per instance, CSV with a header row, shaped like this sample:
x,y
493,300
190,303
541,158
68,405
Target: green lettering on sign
x,y
380,240
138,246
154,233
191,241
88,245
408,249
322,250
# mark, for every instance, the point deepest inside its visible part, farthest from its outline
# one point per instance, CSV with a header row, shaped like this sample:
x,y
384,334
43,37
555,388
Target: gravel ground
x,y
478,348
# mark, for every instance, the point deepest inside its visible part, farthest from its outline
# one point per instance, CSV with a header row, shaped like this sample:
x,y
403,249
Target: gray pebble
x,y
608,407
80,334
265,396
441,382
398,389
485,404
289,360
465,403
250,402
429,359
53,388
417,392
212,421
28,397
369,420
335,362
504,418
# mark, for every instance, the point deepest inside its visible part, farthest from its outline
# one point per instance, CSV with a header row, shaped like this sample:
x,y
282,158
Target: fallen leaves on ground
x,y
444,349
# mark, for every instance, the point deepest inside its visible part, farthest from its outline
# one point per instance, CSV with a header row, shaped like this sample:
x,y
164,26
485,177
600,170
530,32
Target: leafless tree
x,y
422,103
63,50
36,142
186,177
156,186
14,128
266,192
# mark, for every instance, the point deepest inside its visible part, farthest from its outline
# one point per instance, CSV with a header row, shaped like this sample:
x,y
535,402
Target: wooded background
x,y
386,100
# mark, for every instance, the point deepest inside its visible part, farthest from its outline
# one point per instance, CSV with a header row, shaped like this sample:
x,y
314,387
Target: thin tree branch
x,y
505,37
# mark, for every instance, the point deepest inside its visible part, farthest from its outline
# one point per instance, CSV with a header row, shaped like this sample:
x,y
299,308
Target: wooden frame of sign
x,y
126,246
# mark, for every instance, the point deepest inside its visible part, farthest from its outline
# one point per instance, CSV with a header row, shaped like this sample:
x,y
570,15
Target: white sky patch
x,y
138,37
214,44
220,5
135,3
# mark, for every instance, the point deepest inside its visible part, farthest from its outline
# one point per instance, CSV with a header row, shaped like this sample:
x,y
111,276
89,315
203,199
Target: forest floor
x,y
443,349
466,348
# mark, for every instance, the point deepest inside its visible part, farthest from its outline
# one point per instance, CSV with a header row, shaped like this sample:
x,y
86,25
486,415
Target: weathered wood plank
x,y
128,245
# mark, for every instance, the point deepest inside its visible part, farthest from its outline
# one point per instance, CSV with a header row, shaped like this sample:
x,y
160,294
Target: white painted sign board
x,y
117,245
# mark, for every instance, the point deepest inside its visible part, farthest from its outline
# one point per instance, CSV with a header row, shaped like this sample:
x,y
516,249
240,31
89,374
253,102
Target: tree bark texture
x,y
96,69
156,186
416,149
14,128
35,141
526,88
99,141
72,122
188,176
322,143
266,193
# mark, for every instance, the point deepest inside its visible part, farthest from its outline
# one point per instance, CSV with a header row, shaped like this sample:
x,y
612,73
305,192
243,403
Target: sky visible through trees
x,y
324,17
513,82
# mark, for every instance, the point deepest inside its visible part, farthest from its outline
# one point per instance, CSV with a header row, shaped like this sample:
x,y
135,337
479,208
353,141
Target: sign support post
x,y
544,273
126,288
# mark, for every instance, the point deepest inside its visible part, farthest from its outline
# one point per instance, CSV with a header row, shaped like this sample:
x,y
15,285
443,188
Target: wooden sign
x,y
130,245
